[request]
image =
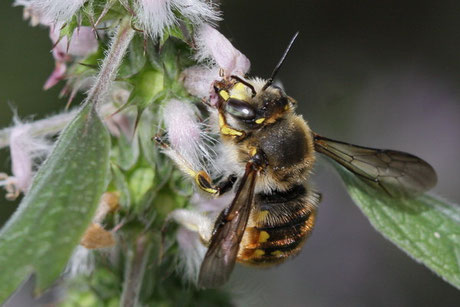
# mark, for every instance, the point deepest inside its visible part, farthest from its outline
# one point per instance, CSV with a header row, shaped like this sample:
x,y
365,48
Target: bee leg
x,y
203,181
226,185
227,130
259,159
201,178
160,139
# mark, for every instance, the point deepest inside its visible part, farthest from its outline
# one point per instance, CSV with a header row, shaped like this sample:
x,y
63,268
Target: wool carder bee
x,y
269,155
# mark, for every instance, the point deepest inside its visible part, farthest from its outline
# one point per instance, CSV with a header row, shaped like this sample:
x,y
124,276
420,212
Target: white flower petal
x,y
36,16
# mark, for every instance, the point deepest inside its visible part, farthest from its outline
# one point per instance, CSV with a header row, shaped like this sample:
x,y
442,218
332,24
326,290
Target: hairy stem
x,y
51,125
136,261
112,61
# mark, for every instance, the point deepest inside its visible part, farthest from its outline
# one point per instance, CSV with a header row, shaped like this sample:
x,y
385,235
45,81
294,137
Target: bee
x,y
270,152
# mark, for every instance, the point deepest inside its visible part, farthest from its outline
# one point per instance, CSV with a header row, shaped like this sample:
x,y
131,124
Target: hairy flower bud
x,y
212,45
155,16
55,11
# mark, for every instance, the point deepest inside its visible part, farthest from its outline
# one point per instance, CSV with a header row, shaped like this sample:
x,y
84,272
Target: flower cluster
x,y
54,15
112,49
154,17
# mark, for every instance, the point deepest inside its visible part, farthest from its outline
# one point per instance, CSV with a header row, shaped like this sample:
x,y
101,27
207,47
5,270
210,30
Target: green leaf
x,y
140,182
148,87
126,153
68,29
42,234
134,60
148,128
121,185
425,227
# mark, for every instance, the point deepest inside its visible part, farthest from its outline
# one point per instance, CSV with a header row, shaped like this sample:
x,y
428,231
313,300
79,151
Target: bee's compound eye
x,y
240,109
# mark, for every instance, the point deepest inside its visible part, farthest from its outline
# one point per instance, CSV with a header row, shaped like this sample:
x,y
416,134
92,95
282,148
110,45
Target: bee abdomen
x,y
280,226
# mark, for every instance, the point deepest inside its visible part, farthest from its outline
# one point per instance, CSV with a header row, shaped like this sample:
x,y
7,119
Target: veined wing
x,y
398,173
228,231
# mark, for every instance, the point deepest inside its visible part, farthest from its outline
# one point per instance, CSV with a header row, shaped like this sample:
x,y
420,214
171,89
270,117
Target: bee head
x,y
253,105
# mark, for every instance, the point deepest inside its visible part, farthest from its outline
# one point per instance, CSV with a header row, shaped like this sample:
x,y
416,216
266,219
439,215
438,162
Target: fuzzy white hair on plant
x,y
190,143
196,229
156,16
25,150
82,262
54,11
191,253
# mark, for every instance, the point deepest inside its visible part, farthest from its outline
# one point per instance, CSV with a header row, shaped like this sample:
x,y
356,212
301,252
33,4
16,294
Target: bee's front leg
x,y
200,177
227,130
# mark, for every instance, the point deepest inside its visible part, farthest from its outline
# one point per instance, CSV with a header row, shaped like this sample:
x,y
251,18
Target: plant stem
x,y
112,61
51,125
135,267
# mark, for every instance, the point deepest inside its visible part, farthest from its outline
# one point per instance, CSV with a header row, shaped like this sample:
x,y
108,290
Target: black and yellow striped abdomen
x,y
278,226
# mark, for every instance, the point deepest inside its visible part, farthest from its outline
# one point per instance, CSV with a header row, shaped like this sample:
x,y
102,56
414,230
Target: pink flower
x,y
212,45
198,80
218,53
83,43
24,150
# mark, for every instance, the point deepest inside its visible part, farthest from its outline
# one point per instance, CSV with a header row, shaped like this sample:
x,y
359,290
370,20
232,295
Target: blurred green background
x,y
384,74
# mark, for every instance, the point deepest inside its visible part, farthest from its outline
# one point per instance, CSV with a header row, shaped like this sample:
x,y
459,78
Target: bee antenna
x,y
280,63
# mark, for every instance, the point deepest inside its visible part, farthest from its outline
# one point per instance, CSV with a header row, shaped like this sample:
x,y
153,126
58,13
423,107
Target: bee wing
x,y
228,231
398,173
